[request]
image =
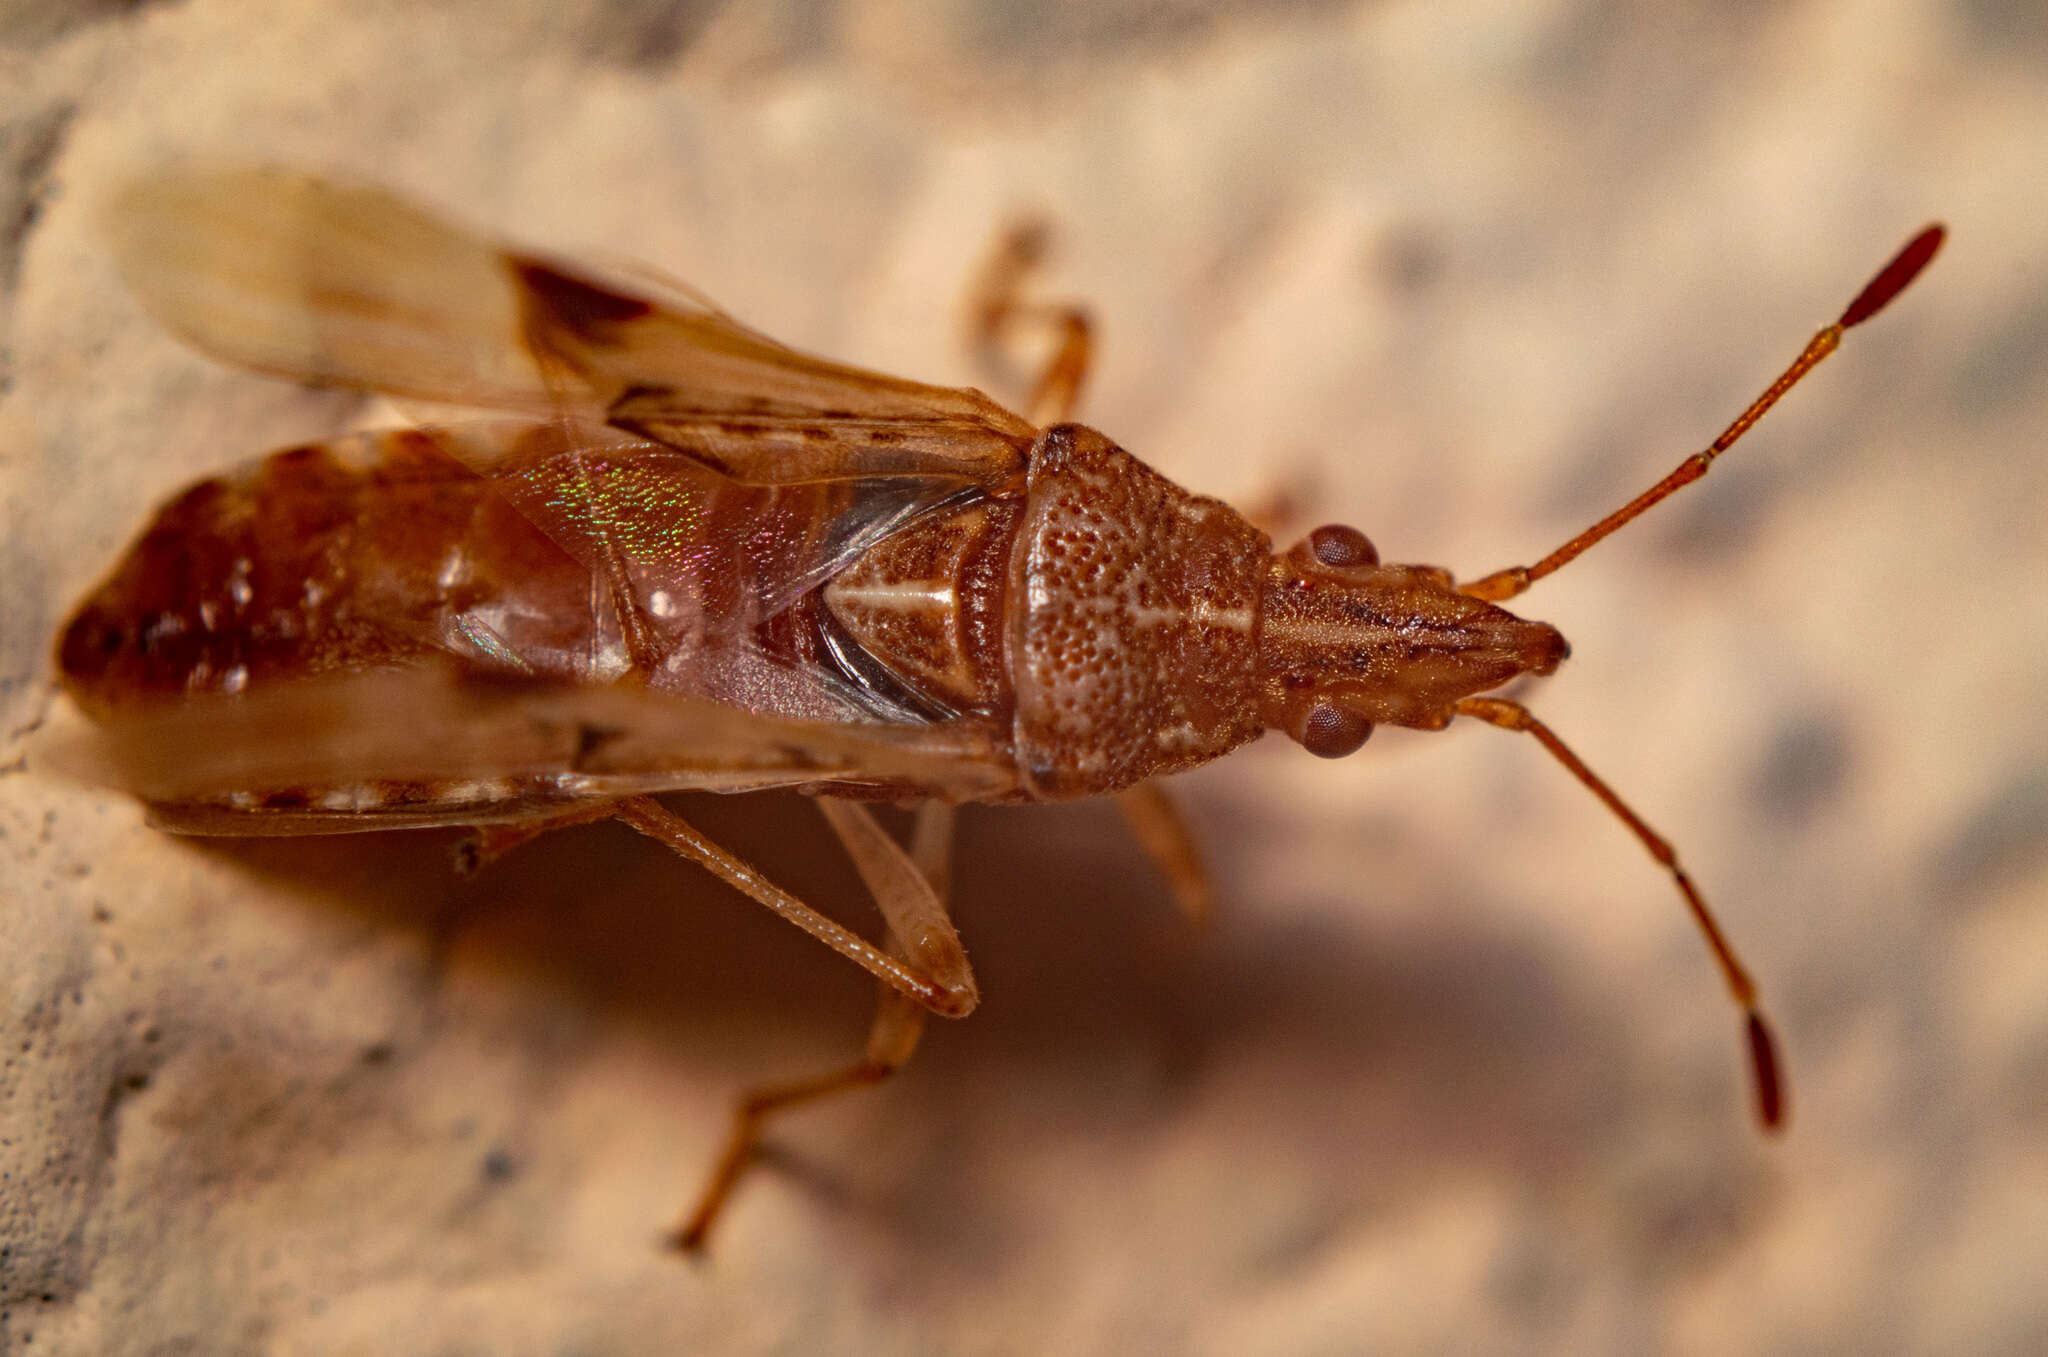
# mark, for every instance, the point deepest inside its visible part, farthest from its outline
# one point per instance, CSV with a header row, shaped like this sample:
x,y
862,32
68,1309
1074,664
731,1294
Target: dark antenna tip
x,y
1770,1089
1891,280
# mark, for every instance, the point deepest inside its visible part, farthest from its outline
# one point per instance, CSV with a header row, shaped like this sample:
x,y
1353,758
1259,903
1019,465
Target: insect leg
x,y
935,973
892,1037
1762,1048
909,901
487,843
1162,832
995,309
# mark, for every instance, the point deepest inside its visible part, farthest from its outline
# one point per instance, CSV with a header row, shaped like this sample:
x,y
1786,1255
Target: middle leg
x,y
898,1022
1162,831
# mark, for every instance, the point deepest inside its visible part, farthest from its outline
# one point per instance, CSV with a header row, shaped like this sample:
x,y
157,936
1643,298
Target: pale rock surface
x,y
1451,1073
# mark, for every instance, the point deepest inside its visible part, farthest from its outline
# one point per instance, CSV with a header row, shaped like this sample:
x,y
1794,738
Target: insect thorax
x,y
1134,621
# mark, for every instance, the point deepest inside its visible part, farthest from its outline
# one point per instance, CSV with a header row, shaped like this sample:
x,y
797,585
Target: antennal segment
x,y
1763,1049
1889,282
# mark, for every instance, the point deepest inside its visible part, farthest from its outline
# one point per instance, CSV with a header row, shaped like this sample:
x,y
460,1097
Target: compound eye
x,y
1330,732
1340,547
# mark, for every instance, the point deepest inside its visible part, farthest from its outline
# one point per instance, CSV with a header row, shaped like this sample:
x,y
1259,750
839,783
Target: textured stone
x,y
1452,1070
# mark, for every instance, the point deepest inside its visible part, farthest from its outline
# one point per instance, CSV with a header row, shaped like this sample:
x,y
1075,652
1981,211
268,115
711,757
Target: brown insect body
x,y
387,550
697,559
1101,625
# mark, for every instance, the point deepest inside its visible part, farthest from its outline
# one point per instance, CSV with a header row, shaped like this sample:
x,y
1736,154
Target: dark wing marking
x,y
354,286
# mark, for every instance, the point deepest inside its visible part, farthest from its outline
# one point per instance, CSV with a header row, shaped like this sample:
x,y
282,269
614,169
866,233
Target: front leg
x,y
996,307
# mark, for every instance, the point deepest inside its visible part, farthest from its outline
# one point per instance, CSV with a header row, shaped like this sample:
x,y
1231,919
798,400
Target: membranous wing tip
x,y
348,285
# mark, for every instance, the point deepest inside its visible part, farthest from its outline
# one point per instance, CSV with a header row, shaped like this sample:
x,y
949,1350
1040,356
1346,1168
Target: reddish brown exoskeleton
x,y
698,559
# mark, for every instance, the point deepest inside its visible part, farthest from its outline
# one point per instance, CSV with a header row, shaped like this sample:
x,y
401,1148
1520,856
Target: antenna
x,y
1890,281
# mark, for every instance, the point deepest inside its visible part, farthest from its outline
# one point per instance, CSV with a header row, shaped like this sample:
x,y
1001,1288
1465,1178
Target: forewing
x,y
327,283
354,286
425,746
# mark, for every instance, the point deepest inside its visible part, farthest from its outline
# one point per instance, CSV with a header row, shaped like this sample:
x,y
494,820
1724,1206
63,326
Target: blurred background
x,y
1451,1070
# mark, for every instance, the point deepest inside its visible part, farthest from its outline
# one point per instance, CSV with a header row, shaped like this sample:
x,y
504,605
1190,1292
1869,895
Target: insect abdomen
x,y
320,559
